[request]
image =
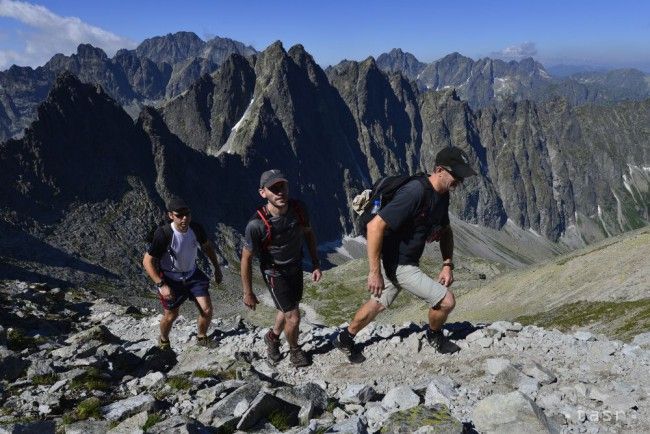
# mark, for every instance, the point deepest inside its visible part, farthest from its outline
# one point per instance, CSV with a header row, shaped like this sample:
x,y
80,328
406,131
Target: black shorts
x,y
286,288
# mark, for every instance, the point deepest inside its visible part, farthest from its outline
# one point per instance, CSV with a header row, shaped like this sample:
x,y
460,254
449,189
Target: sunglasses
x,y
278,187
457,178
180,215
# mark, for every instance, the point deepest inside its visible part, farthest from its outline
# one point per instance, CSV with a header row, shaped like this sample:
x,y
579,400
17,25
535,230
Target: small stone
x,y
485,342
584,336
496,365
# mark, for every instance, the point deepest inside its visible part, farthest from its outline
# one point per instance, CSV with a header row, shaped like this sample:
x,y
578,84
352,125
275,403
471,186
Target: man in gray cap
x,y
170,263
275,234
397,234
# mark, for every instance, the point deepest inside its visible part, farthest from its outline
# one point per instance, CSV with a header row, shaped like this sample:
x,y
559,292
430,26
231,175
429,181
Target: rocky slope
x,y
159,68
76,364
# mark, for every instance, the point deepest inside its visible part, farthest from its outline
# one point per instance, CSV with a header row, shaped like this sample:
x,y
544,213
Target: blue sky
x,y
603,33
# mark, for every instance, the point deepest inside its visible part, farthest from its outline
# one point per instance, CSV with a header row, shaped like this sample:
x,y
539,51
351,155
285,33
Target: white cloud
x,y
47,33
516,52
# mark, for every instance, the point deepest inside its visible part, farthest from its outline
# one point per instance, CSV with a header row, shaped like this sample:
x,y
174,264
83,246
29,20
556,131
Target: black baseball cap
x,y
270,177
176,204
455,160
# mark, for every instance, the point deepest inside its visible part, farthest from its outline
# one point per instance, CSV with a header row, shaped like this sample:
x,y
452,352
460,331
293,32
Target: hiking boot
x,y
205,342
346,347
272,346
298,357
164,345
441,343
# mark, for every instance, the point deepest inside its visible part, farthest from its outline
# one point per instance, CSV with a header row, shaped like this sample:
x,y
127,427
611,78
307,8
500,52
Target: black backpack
x,y
383,191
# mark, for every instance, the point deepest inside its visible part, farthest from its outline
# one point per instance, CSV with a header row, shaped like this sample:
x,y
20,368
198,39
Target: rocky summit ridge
x,y
74,363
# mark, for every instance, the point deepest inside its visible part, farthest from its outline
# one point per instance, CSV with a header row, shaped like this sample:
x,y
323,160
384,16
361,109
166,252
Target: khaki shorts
x,y
412,279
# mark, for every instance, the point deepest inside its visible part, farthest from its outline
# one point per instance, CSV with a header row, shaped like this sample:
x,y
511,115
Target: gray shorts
x,y
412,279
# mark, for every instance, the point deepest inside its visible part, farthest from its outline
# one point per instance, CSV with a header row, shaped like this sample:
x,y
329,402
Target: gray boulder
x,y
352,425
87,427
178,425
400,398
513,413
263,406
12,366
40,427
121,409
221,413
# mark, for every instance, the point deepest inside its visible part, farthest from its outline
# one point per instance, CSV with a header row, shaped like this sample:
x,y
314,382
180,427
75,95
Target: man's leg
x,y
366,313
166,322
279,324
438,314
291,326
204,305
437,317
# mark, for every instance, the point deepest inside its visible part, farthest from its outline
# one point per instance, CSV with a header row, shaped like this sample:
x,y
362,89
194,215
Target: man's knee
x,y
447,304
206,311
292,317
170,315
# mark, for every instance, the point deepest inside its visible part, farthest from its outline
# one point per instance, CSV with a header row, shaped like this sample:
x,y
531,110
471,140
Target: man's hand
x,y
218,275
250,300
316,275
375,283
446,276
165,292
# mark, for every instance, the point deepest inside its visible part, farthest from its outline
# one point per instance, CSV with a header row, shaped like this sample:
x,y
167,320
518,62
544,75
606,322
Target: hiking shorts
x,y
412,279
194,286
285,287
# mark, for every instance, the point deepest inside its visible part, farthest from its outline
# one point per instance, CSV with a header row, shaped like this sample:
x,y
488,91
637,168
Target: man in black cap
x,y
417,214
171,263
275,235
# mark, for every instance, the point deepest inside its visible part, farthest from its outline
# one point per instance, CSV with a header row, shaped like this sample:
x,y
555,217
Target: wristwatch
x,y
160,284
448,264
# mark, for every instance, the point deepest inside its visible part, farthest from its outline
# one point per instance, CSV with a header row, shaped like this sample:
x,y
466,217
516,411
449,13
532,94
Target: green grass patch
x,y
279,419
17,340
204,373
45,380
152,419
92,379
179,382
620,320
86,409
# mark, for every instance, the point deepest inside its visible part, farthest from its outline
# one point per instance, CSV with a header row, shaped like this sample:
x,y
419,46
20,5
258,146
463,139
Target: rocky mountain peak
x,y
87,51
399,61
171,48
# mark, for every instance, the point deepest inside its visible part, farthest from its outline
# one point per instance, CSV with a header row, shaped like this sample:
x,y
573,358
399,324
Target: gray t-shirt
x,y
287,237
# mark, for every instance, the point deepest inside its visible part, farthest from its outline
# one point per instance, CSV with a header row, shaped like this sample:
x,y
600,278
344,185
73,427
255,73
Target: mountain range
x,y
488,81
163,67
86,181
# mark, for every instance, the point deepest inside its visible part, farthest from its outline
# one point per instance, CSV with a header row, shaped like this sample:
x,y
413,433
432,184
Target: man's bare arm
x,y
375,236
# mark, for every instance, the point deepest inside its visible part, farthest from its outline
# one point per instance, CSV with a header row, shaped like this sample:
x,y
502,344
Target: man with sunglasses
x,y
417,214
276,235
171,263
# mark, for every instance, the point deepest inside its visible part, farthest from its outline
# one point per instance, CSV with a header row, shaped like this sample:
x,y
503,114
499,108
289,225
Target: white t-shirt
x,y
181,257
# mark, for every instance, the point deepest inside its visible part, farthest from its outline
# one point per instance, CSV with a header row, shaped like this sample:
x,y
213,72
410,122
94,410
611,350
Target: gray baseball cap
x,y
270,177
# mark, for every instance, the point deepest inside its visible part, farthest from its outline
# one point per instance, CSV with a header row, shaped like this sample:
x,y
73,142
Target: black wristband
x,y
160,284
448,264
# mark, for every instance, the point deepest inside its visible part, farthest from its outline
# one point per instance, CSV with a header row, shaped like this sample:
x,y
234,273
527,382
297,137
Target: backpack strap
x,y
264,215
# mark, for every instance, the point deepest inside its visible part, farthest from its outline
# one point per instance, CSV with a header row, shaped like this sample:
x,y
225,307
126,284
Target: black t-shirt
x,y
415,211
287,237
